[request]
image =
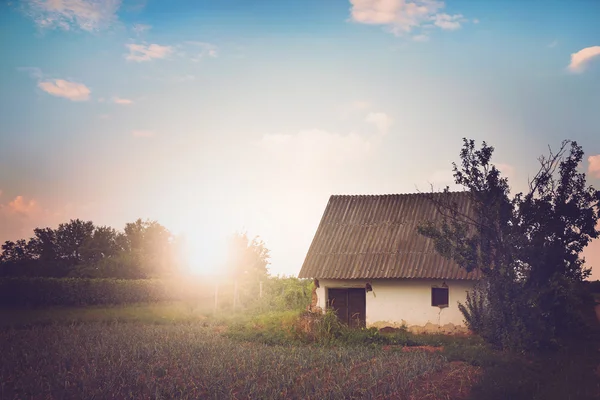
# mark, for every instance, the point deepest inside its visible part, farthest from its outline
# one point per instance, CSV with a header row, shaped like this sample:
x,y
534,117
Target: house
x,y
373,268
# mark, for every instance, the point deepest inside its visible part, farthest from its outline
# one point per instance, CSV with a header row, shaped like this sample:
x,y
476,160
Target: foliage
x,y
282,294
145,249
190,362
37,292
247,258
527,248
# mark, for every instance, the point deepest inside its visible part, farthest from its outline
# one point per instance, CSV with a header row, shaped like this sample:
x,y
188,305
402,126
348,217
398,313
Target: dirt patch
x,y
411,349
453,382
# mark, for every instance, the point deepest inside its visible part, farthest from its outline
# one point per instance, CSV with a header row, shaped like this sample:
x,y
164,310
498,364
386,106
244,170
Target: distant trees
x,y
527,247
247,258
79,248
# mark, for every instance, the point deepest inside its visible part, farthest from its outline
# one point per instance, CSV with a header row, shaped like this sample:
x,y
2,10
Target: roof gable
x,y
375,236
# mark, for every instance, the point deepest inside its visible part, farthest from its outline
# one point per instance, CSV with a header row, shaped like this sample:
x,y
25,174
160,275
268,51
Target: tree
x,y
105,242
152,245
15,251
248,259
527,247
71,237
43,244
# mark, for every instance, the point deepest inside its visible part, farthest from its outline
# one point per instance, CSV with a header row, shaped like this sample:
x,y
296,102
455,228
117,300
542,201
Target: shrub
x,y
37,292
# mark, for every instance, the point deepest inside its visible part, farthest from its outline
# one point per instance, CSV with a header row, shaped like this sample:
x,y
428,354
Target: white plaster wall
x,y
396,301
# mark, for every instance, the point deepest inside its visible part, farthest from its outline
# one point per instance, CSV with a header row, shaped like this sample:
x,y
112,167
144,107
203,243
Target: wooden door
x,y
356,308
349,305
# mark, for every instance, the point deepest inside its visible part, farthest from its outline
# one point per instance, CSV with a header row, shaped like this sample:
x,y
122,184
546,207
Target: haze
x,y
217,116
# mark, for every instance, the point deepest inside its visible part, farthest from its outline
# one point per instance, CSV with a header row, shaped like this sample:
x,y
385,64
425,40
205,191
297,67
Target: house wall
x,y
397,302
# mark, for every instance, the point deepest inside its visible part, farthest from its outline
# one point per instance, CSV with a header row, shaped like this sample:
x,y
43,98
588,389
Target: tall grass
x,y
188,362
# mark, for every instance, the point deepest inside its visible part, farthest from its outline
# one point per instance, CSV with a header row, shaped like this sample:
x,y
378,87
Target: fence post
x,y
216,296
235,289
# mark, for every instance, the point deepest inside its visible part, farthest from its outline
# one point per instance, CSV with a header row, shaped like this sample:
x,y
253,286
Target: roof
x,y
375,236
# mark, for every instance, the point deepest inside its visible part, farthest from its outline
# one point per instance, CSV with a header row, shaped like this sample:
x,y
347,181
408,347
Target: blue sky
x,y
215,116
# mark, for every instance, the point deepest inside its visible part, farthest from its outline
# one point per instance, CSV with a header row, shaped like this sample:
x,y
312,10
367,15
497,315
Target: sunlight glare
x,y
205,255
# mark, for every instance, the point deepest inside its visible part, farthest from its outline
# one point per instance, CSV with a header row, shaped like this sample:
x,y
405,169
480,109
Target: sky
x,y
245,115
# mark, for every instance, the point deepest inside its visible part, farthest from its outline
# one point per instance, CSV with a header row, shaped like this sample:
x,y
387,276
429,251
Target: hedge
x,y
16,292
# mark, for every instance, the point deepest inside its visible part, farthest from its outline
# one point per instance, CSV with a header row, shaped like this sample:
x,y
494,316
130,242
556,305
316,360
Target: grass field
x,y
161,351
129,360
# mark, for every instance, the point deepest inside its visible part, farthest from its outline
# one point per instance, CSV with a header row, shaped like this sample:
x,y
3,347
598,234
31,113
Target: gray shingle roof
x,y
375,236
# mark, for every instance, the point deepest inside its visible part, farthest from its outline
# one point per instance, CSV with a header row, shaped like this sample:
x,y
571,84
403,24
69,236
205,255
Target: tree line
x,y
144,249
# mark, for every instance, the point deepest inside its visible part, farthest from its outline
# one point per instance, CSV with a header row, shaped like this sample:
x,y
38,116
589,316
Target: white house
x,y
373,268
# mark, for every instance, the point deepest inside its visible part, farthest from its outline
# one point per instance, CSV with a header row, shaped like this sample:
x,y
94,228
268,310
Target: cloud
x,y
202,50
139,29
19,216
70,90
580,59
142,133
88,15
142,52
594,166
420,38
118,100
404,16
552,44
381,120
475,21
21,207
448,22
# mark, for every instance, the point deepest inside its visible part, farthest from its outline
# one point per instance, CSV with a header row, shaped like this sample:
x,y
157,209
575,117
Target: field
x,y
129,360
165,351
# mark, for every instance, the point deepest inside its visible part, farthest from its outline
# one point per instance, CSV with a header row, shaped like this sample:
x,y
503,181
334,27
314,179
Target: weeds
x,y
187,361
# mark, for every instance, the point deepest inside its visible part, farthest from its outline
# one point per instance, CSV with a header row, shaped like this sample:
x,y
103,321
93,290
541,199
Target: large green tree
x,y
527,247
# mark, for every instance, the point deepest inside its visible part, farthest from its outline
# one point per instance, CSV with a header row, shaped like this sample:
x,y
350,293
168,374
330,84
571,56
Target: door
x,y
349,305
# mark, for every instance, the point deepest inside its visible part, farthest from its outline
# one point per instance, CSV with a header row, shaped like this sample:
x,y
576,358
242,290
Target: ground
x,y
174,351
133,360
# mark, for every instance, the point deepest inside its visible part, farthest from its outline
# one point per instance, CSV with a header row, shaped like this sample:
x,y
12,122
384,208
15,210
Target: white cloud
x,y
139,29
119,100
381,120
552,44
594,166
142,52
404,16
202,50
580,59
142,133
448,22
70,90
475,21
88,15
420,38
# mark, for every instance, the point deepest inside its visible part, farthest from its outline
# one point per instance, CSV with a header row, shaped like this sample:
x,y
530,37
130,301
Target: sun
x,y
205,254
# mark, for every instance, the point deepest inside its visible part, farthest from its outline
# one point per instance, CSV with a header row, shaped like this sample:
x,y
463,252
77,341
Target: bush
x,y
37,292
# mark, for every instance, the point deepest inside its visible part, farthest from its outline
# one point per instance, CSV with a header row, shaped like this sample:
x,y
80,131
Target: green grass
x,y
139,361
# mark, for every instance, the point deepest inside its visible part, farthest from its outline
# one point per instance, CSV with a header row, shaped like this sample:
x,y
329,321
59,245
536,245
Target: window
x,y
439,297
